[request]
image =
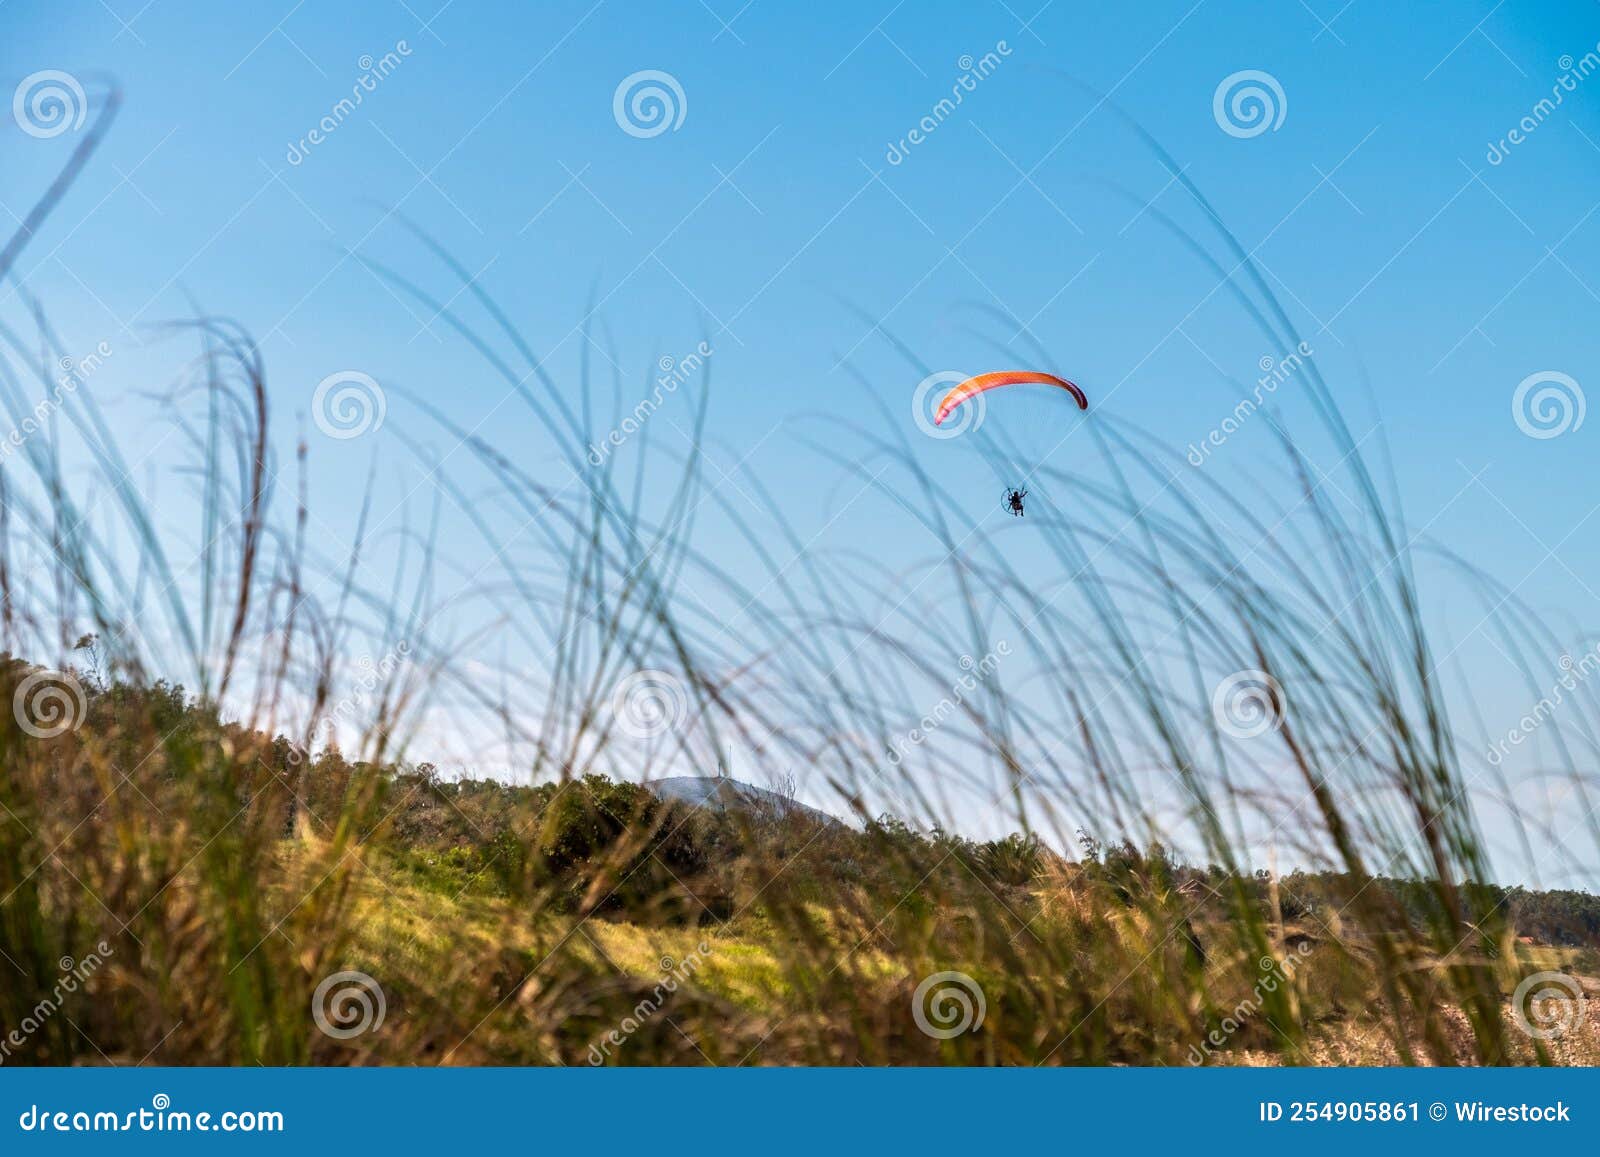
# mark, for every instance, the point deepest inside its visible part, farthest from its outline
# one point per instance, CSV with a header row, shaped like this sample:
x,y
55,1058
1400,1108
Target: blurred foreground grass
x,y
470,922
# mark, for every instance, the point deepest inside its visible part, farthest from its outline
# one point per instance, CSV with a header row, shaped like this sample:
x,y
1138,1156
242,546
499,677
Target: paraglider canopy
x,y
981,382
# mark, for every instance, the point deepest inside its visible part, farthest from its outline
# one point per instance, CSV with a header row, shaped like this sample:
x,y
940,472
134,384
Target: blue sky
x,y
1402,252
762,204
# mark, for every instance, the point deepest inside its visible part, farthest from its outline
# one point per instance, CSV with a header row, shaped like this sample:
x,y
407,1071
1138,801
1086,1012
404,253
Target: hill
x,y
721,793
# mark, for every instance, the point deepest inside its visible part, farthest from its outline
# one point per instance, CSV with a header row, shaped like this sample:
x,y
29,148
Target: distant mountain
x,y
719,792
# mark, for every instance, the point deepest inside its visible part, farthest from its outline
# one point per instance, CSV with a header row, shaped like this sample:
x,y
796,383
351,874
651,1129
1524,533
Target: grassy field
x,y
386,916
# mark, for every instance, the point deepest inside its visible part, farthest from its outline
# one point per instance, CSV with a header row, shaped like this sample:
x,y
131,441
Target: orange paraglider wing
x,y
981,382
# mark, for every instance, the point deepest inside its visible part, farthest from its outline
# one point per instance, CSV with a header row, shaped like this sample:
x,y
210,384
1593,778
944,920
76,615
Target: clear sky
x,y
1403,252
